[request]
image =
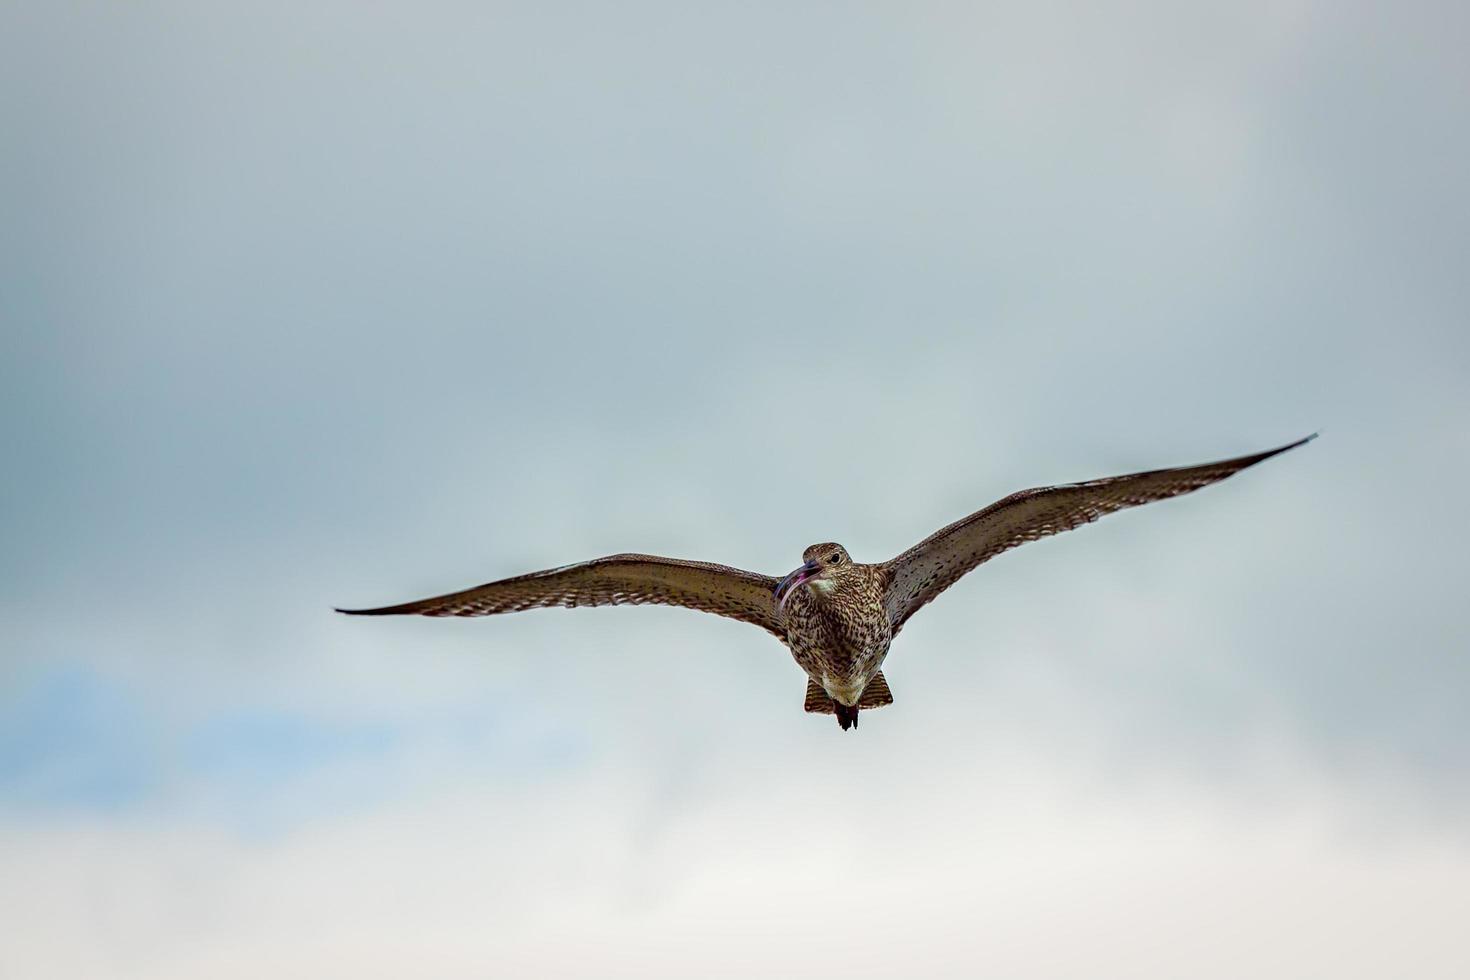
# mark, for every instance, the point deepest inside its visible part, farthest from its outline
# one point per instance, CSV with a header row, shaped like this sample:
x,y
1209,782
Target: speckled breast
x,y
839,634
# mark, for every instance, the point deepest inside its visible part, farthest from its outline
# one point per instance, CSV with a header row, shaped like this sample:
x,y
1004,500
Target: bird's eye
x,y
835,558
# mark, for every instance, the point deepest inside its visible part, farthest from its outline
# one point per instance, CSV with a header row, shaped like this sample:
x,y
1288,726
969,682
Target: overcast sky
x,y
342,304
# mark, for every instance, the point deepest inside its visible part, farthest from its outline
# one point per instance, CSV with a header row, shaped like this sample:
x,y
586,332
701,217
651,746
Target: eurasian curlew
x,y
836,615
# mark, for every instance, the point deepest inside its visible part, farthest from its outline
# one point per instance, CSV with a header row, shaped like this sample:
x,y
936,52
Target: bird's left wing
x,y
613,581
934,564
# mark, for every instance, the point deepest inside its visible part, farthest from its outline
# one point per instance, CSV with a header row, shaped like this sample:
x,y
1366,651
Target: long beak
x,y
787,585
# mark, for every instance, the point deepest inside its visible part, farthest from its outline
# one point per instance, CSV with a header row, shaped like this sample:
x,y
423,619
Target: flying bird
x,y
837,616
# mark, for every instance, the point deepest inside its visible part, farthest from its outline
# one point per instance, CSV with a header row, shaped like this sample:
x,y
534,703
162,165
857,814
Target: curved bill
x,y
788,585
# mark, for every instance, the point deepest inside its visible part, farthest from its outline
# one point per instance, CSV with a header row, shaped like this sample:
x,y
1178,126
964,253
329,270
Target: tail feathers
x,y
875,695
817,702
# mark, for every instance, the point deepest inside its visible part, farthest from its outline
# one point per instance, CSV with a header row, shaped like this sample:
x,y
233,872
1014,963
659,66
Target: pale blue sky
x,y
308,305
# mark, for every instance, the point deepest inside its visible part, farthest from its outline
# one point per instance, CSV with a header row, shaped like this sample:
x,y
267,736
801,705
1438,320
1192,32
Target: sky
x,y
305,305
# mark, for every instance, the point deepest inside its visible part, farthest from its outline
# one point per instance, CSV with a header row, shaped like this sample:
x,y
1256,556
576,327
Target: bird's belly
x,y
840,662
838,637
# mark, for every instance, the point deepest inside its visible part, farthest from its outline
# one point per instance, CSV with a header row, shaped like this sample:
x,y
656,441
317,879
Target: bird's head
x,y
822,565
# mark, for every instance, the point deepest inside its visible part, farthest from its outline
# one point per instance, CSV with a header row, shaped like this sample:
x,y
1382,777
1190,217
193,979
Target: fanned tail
x,y
875,695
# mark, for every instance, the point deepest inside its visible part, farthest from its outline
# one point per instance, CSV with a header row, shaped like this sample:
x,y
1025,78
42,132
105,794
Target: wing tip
x,y
1245,462
1292,445
382,611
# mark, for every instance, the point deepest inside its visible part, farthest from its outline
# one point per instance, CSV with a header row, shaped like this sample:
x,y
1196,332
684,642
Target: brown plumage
x,y
837,616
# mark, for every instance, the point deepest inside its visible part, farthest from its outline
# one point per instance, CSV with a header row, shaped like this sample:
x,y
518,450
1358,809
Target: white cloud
x,y
1005,862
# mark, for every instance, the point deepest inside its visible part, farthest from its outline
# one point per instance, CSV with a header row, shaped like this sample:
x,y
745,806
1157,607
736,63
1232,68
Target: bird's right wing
x,y
934,564
613,581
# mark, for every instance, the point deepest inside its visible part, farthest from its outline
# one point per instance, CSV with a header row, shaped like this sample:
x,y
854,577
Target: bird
x,y
836,616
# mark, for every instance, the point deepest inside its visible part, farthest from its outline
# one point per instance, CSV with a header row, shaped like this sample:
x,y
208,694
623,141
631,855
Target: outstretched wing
x,y
613,581
934,564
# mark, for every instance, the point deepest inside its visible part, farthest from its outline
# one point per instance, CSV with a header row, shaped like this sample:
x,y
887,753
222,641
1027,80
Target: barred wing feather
x,y
920,574
612,581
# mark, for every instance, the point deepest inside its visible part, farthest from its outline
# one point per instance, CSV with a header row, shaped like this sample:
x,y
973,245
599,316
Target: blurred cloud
x,y
314,305
992,864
